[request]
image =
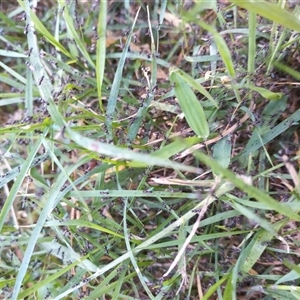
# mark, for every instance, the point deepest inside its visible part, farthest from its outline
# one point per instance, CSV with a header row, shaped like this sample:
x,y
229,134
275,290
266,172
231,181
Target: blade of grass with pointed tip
x,y
79,43
48,207
194,84
286,69
17,184
44,32
112,100
255,143
270,11
101,49
190,105
265,93
249,189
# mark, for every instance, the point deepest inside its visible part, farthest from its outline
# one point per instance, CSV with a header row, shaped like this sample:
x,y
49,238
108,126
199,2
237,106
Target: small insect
x,y
30,66
26,29
35,264
62,10
148,191
41,80
104,192
29,52
47,294
85,280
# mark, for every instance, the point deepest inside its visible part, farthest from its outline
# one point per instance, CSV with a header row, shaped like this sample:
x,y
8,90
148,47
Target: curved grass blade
x,y
265,92
288,70
190,105
251,190
270,11
44,32
48,207
75,36
194,84
17,184
255,144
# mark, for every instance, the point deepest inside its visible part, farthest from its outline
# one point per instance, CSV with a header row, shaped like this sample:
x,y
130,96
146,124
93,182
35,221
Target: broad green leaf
x,y
194,84
222,151
190,105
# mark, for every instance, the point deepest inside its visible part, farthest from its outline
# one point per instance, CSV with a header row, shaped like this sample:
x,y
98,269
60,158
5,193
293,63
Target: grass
x,y
149,151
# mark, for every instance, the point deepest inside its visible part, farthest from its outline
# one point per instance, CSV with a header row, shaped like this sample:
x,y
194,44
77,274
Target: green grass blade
x,y
282,67
49,204
112,100
101,49
44,32
190,105
17,184
252,42
270,11
255,144
75,36
251,190
222,151
195,85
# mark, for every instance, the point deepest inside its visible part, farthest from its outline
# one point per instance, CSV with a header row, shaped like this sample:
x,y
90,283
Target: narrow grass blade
x,y
190,105
214,287
265,92
13,73
101,49
251,190
121,153
17,184
222,47
287,69
48,207
270,11
44,32
257,247
75,36
255,144
8,203
252,42
130,252
112,100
